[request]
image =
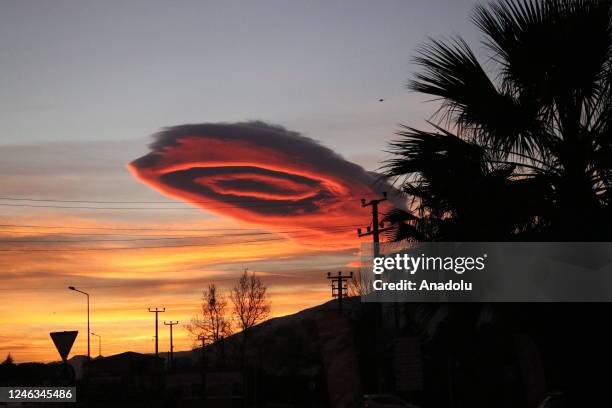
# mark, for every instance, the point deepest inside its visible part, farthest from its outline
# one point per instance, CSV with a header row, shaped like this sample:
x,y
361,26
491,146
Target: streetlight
x,y
86,294
99,343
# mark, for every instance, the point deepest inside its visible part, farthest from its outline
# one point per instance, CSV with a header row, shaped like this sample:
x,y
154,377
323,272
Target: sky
x,y
87,83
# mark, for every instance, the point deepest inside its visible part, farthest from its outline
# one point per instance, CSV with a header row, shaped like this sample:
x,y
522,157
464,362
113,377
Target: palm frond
x,y
470,99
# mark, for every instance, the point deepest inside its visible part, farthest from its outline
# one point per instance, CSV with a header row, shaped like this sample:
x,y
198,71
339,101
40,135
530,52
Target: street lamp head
x,y
88,332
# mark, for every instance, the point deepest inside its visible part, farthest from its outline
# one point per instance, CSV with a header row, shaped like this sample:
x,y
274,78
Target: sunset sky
x,y
87,83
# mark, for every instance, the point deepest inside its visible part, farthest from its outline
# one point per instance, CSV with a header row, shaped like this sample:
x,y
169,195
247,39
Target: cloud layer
x,y
260,174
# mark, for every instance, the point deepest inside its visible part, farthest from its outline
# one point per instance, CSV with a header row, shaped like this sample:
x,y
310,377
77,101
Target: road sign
x,y
63,342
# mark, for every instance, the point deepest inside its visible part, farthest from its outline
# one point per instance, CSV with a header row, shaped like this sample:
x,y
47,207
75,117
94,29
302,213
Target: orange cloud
x,y
124,283
263,175
292,189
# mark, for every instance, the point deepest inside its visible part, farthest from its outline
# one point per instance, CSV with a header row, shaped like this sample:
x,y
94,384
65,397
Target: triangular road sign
x,y
63,342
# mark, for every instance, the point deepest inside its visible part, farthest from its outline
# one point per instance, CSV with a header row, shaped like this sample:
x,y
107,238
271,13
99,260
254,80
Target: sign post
x,y
63,342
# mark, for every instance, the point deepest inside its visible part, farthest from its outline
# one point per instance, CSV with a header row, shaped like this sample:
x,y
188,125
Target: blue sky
x,y
120,70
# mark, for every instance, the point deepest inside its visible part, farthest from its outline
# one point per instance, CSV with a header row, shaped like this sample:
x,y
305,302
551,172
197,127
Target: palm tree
x,y
524,149
462,192
519,149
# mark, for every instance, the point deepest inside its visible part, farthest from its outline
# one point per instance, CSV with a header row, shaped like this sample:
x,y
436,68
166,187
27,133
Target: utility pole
x,y
377,227
339,286
171,323
157,312
374,231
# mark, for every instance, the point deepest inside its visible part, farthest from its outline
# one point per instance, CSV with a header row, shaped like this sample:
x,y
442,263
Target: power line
x,y
258,204
204,280
160,228
79,207
144,247
65,241
158,237
128,248
86,234
54,200
111,286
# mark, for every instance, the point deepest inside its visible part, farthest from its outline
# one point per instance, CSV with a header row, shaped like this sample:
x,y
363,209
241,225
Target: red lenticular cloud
x,y
264,175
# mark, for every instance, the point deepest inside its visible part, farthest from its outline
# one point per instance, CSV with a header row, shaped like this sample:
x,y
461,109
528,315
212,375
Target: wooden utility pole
x,y
157,312
339,286
375,230
171,323
377,227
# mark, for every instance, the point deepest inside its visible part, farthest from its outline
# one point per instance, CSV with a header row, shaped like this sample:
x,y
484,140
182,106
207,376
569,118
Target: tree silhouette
x,y
212,324
360,284
520,150
251,305
9,361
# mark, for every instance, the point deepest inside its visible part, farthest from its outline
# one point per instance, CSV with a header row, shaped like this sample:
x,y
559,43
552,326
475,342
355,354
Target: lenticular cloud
x,y
260,174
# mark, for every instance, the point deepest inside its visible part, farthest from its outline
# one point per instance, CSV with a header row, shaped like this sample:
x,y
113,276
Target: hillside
x,y
297,327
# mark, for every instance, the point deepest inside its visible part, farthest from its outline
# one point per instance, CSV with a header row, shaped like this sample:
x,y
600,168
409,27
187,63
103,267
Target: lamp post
x,y
88,343
99,343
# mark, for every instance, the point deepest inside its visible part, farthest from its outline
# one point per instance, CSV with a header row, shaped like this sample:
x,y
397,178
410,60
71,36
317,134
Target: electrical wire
x,y
77,249
158,237
160,228
55,200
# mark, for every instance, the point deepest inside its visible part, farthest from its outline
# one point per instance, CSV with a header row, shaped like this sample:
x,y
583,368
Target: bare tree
x,y
251,304
212,324
360,284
